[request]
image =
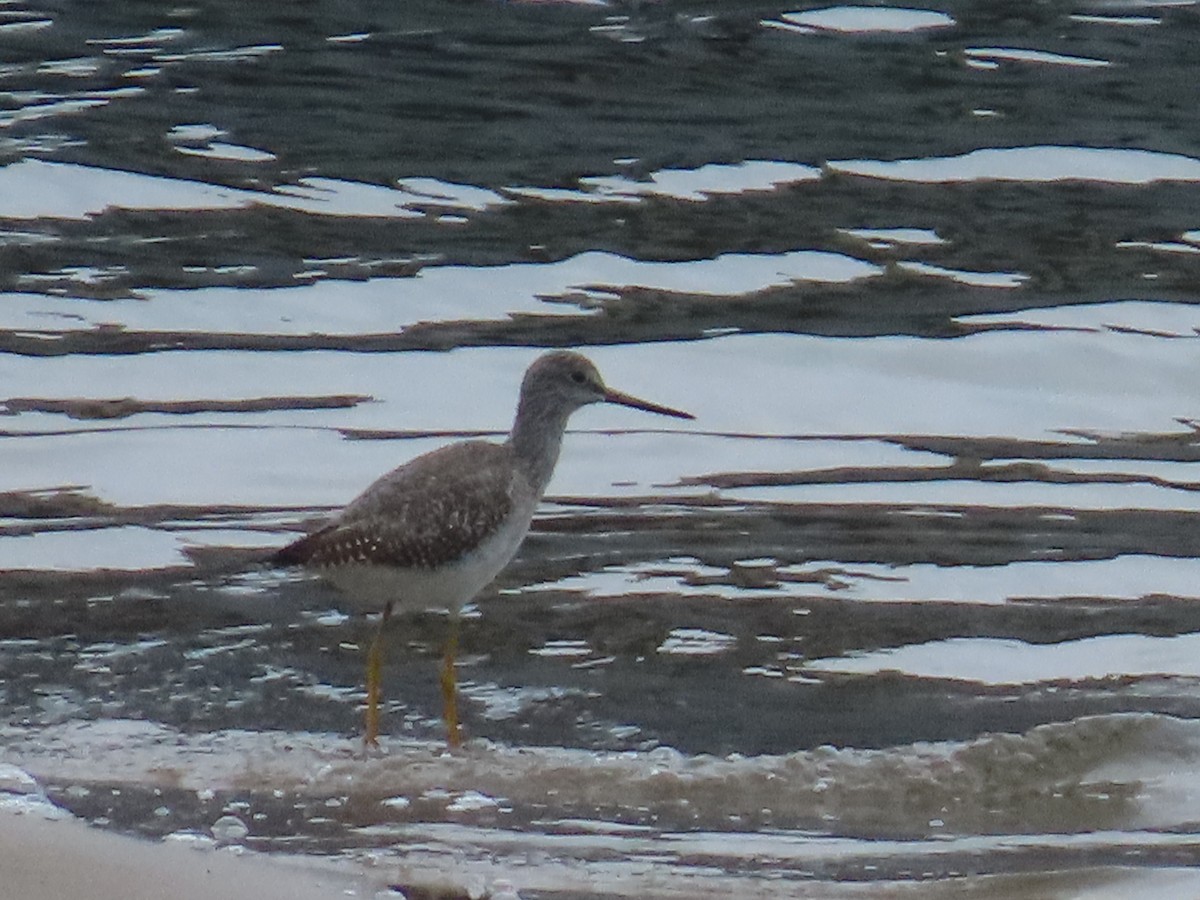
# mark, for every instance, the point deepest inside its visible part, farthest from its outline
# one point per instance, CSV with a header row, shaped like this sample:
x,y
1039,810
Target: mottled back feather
x,y
432,511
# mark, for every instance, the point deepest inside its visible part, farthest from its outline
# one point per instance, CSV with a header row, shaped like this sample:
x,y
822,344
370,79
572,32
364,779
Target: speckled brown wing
x,y
426,513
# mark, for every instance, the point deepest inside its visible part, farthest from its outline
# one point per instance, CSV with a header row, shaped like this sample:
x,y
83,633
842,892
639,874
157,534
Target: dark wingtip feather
x,y
298,552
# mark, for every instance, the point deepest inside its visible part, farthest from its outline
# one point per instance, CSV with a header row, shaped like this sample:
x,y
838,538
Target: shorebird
x,y
438,529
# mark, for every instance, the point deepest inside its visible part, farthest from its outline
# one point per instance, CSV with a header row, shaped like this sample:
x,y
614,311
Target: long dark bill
x,y
611,396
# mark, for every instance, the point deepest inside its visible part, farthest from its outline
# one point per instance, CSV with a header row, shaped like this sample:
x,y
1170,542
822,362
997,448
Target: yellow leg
x,y
374,679
449,681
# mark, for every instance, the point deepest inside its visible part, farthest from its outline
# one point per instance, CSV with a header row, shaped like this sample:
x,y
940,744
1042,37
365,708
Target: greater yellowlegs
x,y
437,530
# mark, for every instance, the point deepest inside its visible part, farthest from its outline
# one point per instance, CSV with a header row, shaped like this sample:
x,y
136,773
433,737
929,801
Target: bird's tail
x,y
228,560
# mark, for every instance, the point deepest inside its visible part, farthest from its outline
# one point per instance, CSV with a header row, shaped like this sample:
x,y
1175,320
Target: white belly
x,y
371,587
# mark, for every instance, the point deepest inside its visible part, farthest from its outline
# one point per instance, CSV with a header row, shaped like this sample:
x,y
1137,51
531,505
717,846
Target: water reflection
x,y
869,19
681,184
910,608
991,57
993,661
1034,164
35,189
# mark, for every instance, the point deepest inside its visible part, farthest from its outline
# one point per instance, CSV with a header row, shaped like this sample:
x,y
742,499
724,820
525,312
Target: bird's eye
x,y
578,377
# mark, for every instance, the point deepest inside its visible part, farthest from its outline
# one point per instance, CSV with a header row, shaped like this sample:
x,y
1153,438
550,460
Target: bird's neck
x,y
536,438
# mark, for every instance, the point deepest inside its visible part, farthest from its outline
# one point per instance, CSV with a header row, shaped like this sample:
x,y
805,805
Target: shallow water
x,y
908,610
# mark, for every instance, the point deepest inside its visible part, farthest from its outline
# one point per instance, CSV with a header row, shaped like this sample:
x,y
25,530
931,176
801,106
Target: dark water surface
x,y
909,609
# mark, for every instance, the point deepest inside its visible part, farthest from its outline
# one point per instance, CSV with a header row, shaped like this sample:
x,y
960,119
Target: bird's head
x,y
568,380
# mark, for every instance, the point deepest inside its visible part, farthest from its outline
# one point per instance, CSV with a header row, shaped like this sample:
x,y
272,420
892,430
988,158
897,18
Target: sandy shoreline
x,y
51,857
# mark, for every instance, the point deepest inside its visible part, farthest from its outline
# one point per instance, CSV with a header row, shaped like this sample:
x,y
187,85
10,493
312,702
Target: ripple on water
x,y
34,189
444,294
990,57
692,185
999,662
1033,164
869,19
1128,577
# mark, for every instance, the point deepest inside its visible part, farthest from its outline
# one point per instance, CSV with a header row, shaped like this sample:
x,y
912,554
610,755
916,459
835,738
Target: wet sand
x,y
63,859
